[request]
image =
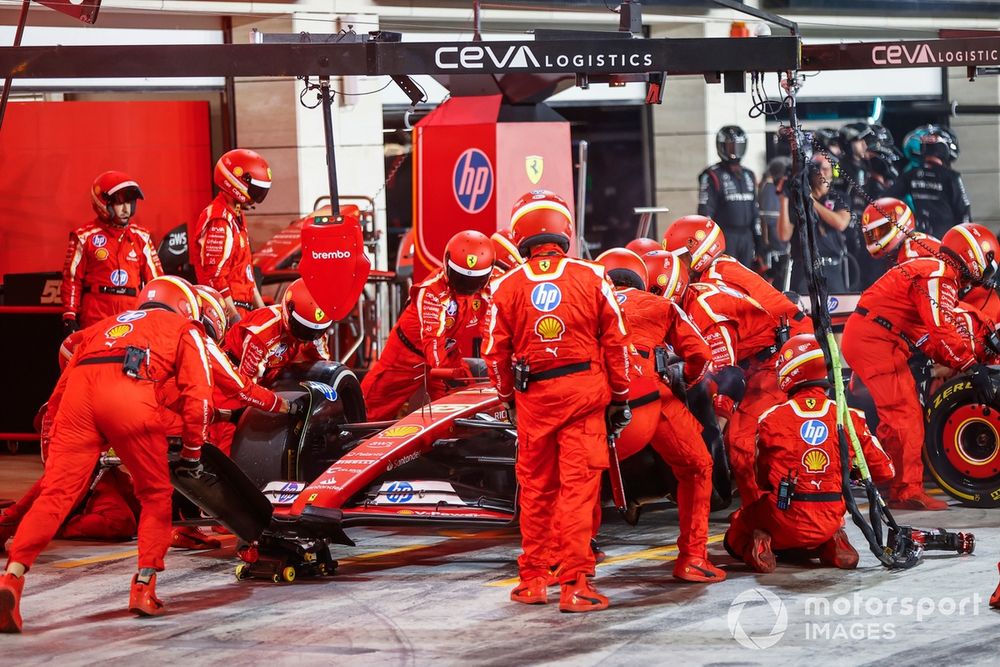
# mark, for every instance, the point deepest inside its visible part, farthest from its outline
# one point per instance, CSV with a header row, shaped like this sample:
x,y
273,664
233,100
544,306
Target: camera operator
x,y
834,218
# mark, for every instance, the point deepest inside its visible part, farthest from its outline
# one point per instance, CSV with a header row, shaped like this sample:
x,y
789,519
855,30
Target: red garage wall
x,y
50,153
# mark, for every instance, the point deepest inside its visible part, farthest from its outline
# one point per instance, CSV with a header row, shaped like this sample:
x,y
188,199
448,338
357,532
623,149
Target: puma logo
x,y
553,350
815,482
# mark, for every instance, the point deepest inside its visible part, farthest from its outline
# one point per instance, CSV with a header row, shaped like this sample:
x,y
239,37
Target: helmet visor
x,y
257,190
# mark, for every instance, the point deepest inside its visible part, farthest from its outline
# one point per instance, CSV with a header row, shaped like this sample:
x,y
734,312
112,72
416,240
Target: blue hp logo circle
x,y
546,297
814,432
119,277
399,492
473,180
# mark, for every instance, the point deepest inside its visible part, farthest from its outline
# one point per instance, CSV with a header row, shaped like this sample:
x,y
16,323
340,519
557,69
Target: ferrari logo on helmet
x,y
471,261
788,354
815,460
269,173
533,165
810,403
320,315
544,265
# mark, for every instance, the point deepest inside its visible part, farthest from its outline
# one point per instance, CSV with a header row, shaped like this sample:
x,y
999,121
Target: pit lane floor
x,y
413,597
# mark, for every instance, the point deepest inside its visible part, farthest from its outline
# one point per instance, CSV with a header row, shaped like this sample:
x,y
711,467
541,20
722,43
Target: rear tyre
x,y
962,445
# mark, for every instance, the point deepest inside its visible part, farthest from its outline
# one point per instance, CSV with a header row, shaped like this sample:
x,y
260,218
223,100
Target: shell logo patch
x,y
699,235
815,460
471,261
237,172
661,280
550,328
118,331
101,254
402,431
319,314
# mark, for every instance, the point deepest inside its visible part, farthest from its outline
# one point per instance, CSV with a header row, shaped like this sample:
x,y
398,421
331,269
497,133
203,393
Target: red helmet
x,y
919,244
172,293
213,311
973,248
468,261
699,236
624,267
243,175
666,275
541,217
113,187
800,361
506,253
301,314
641,246
885,224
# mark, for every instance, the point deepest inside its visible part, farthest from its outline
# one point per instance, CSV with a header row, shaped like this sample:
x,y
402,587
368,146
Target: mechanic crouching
x,y
449,302
801,511
108,394
558,355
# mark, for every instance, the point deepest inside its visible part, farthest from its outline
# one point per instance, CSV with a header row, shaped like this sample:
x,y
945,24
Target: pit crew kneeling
x,y
557,319
801,512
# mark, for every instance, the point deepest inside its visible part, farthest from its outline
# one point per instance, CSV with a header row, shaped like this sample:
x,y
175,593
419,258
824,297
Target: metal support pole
x,y
477,21
331,157
581,199
21,21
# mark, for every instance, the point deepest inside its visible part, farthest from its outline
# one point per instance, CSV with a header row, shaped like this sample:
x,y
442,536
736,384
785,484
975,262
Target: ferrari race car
x,y
293,487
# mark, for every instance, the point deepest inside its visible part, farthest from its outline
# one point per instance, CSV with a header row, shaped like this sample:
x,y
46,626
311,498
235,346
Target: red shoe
x,y
698,570
758,554
918,502
189,537
838,552
532,591
995,598
581,596
143,600
10,603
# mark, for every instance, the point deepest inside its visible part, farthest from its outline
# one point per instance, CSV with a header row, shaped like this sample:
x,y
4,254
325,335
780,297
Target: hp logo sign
x,y
399,492
814,432
473,180
546,297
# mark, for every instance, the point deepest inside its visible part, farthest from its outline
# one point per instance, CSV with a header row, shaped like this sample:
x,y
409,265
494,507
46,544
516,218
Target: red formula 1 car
x,y
300,484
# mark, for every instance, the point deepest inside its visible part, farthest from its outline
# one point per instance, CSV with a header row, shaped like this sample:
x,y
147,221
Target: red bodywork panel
x,y
334,265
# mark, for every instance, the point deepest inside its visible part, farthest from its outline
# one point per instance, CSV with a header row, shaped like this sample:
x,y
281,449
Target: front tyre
x,y
962,444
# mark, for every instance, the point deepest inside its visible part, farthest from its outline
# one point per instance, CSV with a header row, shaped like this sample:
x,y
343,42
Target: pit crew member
x,y
912,307
450,301
799,470
220,247
557,353
109,259
108,394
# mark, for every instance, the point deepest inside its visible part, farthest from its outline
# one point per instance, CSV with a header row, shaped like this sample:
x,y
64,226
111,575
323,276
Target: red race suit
x,y
911,307
741,332
653,322
264,346
425,336
95,403
220,253
559,317
798,439
106,266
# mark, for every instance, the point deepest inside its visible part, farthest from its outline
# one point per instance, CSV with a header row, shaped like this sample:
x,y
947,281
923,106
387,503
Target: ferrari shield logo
x,y
544,265
533,164
471,260
810,403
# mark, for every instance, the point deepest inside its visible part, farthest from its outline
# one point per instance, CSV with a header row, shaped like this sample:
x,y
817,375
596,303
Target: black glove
x,y
70,325
618,415
184,467
674,377
298,406
731,381
234,415
983,388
